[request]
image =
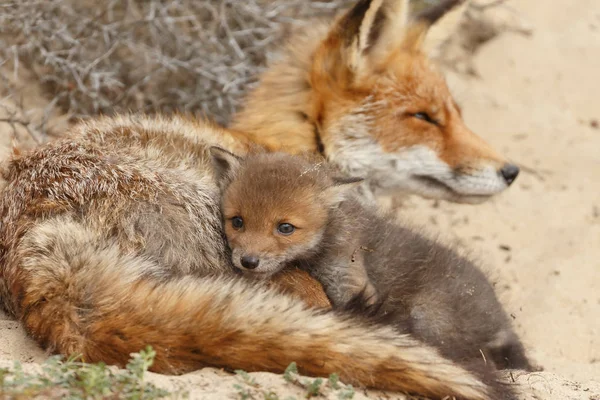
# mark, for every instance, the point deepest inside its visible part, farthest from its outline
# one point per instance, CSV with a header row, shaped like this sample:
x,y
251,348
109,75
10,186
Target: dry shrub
x,y
196,56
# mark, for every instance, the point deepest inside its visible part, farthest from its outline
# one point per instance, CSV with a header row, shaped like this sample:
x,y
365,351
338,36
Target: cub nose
x,y
509,173
249,262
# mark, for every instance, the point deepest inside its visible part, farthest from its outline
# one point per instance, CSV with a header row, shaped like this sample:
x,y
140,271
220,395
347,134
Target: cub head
x,y
275,207
384,112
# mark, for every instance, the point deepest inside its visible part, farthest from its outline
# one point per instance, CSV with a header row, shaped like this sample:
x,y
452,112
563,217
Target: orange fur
x,y
300,284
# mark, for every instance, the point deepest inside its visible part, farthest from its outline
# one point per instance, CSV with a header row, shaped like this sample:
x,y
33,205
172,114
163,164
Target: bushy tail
x,y
78,296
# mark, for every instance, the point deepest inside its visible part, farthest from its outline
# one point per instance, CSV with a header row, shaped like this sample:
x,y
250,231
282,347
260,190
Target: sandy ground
x,y
536,103
534,100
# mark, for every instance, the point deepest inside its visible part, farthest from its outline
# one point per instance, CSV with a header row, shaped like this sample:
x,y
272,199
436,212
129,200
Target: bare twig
x,y
158,55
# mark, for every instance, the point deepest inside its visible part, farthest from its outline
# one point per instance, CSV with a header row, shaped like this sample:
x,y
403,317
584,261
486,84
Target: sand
x,y
535,100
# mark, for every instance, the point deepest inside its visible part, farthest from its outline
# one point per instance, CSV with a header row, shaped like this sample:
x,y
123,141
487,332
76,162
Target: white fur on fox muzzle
x,y
432,177
266,266
418,170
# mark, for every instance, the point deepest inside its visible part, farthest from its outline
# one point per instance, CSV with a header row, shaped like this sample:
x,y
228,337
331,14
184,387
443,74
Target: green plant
x,y
76,380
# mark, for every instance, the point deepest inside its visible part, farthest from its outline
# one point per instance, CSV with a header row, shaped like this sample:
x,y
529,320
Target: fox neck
x,y
279,114
341,231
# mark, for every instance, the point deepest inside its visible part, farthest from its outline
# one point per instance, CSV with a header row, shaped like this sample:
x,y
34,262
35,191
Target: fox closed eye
x,y
425,117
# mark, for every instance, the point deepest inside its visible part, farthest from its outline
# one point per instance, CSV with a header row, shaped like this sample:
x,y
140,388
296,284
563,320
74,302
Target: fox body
x,y
362,92
111,240
281,210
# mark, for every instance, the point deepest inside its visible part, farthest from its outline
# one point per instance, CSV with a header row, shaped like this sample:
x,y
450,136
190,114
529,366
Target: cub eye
x,y
237,222
286,229
425,117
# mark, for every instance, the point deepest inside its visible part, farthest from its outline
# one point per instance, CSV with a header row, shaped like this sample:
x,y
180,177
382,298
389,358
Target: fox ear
x,y
364,34
225,164
433,26
363,38
347,181
341,188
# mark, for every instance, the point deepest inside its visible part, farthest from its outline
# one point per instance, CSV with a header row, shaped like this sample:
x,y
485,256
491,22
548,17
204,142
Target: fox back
x,y
362,92
440,296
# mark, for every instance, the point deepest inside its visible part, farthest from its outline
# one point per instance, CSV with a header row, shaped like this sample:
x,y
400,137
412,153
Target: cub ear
x,y
225,164
341,188
345,181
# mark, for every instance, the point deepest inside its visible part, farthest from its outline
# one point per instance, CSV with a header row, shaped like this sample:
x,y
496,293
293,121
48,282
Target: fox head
x,y
275,207
384,111
364,93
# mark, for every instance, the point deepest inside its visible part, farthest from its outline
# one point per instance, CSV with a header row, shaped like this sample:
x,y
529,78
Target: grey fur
x,y
423,286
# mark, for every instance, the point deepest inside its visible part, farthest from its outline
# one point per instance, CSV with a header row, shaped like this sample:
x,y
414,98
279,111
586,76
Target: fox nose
x,y
509,173
249,262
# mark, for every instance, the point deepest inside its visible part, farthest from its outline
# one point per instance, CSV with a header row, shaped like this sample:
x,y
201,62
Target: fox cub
x,y
282,210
